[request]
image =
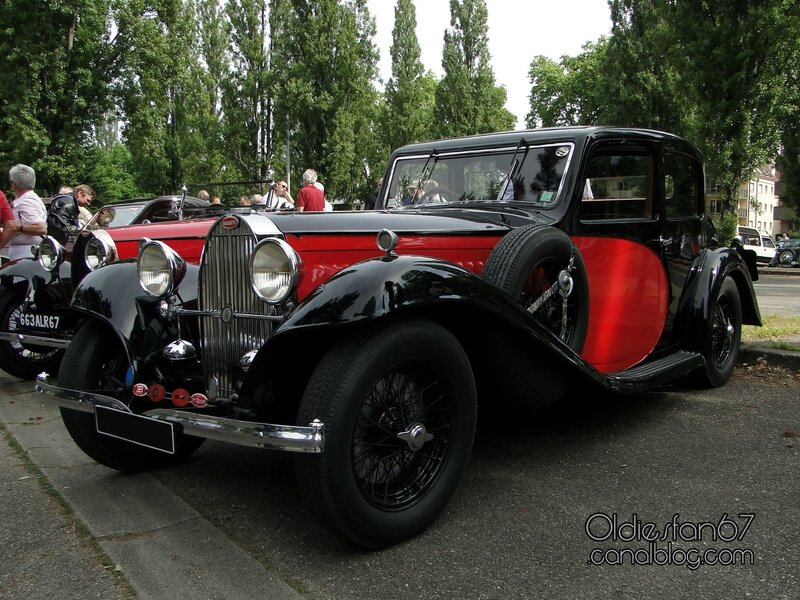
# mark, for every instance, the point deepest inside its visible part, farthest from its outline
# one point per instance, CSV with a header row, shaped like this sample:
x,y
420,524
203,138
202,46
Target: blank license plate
x,y
143,431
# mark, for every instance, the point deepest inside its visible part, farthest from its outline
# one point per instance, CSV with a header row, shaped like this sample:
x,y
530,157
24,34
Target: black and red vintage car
x,y
512,265
36,324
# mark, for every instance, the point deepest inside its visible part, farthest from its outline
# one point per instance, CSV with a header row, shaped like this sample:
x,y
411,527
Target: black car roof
x,y
577,135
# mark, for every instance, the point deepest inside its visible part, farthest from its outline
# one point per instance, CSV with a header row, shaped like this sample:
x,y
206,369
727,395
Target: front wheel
x,y
399,410
94,361
722,335
19,359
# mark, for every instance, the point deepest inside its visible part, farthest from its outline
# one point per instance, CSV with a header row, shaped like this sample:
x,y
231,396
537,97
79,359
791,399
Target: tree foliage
x,y
467,99
58,59
712,71
141,96
409,103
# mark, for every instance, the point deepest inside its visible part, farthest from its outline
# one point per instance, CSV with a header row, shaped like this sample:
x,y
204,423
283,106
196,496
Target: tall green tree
x,y
248,94
467,99
326,101
732,65
56,62
568,92
208,162
788,160
409,103
158,91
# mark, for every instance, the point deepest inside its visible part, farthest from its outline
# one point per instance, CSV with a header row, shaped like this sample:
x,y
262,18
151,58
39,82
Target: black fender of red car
x,y
494,329
28,268
114,296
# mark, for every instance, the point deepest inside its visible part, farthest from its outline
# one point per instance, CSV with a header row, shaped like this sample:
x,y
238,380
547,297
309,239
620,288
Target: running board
x,y
34,340
655,373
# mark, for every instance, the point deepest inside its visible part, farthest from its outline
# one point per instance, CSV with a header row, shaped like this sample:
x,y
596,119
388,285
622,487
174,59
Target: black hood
x,y
456,220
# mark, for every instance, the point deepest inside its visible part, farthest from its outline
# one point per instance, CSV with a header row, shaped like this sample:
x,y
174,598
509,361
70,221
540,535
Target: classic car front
x,y
364,341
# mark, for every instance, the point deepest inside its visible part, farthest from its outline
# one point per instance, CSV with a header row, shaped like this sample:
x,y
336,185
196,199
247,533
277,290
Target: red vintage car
x,y
505,268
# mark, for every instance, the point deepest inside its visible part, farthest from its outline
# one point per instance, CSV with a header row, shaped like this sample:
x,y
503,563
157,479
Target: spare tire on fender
x,y
537,260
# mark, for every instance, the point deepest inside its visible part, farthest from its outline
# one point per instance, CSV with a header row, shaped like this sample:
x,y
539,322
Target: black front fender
x,y
28,268
113,295
507,347
375,288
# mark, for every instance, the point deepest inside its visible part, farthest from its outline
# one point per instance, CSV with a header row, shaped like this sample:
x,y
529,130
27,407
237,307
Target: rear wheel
x,y
723,334
20,359
94,361
786,257
399,410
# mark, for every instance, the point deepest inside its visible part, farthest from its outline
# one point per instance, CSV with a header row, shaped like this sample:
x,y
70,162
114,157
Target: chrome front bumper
x,y
290,438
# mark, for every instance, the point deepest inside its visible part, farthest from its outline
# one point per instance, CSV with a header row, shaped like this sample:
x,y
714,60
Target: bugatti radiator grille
x,y
224,286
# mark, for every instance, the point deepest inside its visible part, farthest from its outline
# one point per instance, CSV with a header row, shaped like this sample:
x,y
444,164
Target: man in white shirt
x,y
29,213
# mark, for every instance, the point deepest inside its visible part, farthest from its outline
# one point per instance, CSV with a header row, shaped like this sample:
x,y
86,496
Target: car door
x,y
618,230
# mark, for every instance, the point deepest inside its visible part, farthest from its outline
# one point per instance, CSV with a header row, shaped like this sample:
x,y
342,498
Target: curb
x,y
153,537
788,359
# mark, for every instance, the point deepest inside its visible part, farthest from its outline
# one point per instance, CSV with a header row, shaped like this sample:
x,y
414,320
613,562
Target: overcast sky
x,y
519,30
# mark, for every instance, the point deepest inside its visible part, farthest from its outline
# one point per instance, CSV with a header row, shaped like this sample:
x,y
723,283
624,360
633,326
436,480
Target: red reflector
x,y
156,392
230,222
180,397
140,390
199,400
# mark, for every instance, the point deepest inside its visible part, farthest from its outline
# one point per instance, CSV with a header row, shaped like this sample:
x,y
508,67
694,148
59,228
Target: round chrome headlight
x,y
274,269
97,253
51,253
160,268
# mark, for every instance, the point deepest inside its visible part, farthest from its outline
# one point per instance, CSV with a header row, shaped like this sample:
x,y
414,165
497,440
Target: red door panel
x,y
629,294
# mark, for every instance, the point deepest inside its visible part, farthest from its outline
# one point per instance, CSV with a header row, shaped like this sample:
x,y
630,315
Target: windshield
x,y
117,216
531,175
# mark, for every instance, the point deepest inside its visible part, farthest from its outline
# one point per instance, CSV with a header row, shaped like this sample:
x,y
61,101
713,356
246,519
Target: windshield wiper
x,y
425,174
515,165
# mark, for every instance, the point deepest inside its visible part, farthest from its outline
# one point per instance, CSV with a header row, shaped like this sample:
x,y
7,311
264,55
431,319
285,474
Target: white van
x,y
761,243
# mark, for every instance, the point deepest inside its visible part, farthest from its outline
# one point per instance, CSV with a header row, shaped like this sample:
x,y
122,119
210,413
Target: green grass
x,y
777,332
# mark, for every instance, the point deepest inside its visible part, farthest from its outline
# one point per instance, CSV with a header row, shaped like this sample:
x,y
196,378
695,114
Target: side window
x,y
618,186
681,186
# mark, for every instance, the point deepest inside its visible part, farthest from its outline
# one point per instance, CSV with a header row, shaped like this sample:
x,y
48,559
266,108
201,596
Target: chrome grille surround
x,y
233,319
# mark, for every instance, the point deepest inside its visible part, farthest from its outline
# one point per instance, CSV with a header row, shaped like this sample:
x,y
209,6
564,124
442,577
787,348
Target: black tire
x,y
95,361
25,361
527,262
785,256
373,487
722,336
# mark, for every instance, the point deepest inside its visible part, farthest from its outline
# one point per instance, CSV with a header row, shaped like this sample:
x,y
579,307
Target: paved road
x,y
778,294
681,463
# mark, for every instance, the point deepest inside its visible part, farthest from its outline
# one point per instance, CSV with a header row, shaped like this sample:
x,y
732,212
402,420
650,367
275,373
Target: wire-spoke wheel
x,y
401,436
723,334
20,359
398,407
